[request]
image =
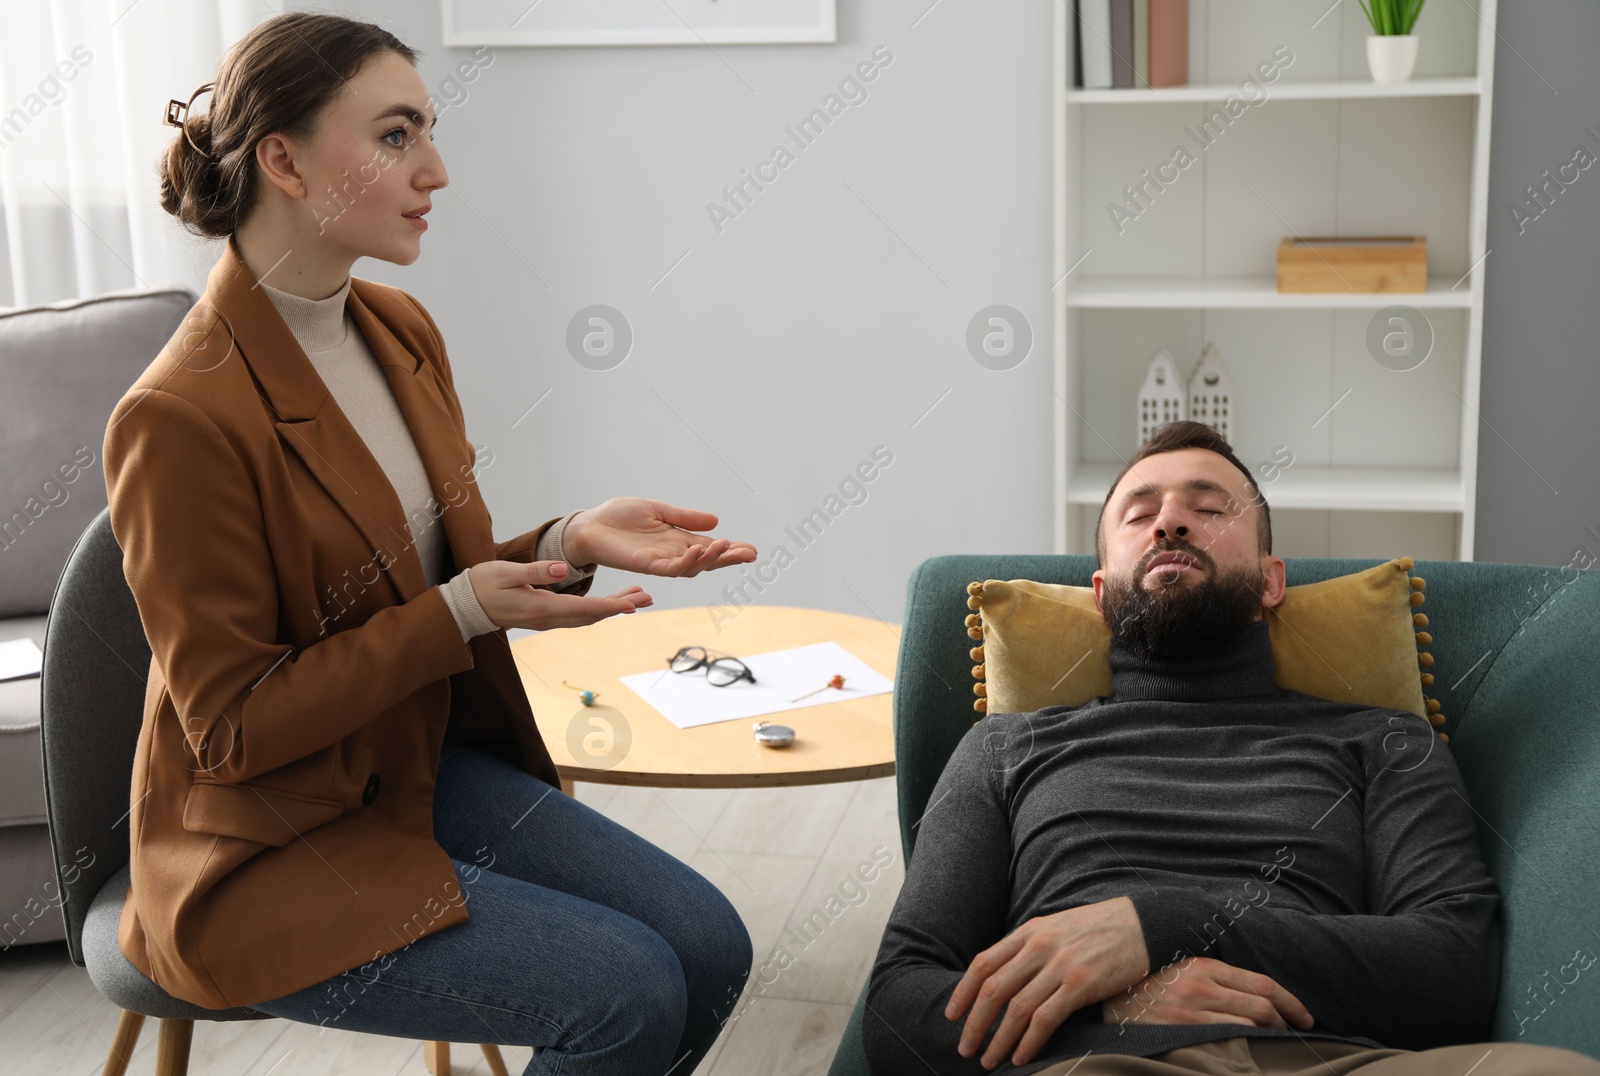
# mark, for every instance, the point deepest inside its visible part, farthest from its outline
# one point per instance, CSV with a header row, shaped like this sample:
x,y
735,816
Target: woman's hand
x,y
508,591
636,534
1201,990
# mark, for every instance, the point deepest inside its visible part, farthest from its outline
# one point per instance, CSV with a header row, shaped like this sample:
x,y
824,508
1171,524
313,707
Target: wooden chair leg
x,y
129,1024
566,786
491,1052
172,1047
437,1055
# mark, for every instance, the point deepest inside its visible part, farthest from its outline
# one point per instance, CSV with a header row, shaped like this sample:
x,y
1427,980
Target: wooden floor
x,y
778,855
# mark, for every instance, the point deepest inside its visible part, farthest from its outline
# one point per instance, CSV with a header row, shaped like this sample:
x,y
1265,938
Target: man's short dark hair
x,y
1170,438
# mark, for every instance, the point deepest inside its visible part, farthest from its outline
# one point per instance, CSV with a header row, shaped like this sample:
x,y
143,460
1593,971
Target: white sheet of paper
x,y
688,699
20,658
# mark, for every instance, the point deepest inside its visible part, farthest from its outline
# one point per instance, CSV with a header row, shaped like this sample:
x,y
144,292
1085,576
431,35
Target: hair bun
x,y
189,179
198,128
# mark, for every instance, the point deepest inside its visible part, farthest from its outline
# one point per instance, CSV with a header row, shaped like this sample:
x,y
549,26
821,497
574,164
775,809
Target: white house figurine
x,y
1161,398
1211,393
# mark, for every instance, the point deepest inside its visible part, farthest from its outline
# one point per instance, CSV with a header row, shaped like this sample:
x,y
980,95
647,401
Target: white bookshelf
x,y
1247,293
1385,461
1302,91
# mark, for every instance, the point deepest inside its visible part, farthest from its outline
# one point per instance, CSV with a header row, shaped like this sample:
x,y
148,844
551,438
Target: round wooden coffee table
x,y
622,740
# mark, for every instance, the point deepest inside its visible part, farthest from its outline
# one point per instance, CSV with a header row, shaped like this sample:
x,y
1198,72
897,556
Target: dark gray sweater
x,y
1327,845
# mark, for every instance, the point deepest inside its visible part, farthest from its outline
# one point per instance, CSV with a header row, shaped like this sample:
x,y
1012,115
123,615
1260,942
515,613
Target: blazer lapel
x,y
312,426
446,456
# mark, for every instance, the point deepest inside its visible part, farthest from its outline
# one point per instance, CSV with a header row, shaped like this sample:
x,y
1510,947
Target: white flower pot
x,y
1393,57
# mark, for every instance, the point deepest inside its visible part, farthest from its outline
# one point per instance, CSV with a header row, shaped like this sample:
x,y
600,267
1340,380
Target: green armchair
x,y
1517,673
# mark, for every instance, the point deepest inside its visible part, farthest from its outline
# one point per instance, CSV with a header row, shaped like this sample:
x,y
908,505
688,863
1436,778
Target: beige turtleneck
x,y
327,333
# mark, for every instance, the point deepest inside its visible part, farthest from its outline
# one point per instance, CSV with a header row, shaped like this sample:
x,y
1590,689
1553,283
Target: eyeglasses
x,y
720,672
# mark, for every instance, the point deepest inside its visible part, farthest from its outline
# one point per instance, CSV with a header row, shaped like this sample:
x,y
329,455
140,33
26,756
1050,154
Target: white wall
x,y
1538,486
824,321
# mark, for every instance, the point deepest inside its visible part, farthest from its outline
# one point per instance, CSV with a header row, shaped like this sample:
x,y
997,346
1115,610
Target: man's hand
x,y
636,534
1200,990
1042,972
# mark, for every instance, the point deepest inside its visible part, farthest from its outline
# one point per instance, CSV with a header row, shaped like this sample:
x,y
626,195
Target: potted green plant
x,y
1391,47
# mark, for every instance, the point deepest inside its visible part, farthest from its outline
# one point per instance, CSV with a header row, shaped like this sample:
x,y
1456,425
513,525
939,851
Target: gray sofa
x,y
63,367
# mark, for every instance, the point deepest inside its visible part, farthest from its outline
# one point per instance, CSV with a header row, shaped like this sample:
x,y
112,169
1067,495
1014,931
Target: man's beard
x,y
1178,621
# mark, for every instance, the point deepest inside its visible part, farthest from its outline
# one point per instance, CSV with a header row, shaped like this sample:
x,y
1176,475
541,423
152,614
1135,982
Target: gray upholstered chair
x,y
96,661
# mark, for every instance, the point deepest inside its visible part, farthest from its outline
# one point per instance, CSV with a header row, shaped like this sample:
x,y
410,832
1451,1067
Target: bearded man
x,y
1202,872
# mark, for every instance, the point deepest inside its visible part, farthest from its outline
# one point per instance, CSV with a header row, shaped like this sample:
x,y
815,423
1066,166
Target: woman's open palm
x,y
637,534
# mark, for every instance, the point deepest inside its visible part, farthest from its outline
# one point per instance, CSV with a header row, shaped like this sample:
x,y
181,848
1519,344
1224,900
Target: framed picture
x,y
638,22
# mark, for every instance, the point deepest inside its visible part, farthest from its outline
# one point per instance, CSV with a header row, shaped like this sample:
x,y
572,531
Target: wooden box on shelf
x,y
1363,264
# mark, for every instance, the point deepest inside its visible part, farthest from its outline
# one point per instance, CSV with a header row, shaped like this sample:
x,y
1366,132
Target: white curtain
x,y
83,87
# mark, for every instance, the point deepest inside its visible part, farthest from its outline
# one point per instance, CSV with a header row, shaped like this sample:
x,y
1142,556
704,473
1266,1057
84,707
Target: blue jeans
x,y
585,941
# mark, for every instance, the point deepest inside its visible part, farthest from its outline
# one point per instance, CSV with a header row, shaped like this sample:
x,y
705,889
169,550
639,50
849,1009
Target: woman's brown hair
x,y
275,78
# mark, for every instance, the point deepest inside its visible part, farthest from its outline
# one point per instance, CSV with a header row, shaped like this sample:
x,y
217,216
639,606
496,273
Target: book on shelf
x,y
1122,44
1077,46
1169,42
1128,44
1094,31
1141,44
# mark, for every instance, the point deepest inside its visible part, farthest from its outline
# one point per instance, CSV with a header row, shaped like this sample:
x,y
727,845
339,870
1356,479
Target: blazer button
x,y
370,793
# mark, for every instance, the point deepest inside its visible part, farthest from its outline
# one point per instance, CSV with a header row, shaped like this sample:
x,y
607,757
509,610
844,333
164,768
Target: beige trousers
x,y
1244,1056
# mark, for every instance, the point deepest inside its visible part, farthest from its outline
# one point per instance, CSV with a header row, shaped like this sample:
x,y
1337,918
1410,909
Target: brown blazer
x,y
303,675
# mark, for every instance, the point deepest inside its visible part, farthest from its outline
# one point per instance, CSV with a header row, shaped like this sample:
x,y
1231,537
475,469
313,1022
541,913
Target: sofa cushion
x,y
30,892
64,366
21,769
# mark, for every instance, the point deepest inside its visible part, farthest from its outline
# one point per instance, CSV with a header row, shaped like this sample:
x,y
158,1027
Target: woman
x,y
342,811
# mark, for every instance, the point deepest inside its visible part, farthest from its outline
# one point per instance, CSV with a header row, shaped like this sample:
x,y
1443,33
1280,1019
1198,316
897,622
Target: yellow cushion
x,y
1350,639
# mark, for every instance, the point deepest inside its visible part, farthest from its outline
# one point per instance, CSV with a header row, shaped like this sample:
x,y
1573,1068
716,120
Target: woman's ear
x,y
277,161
